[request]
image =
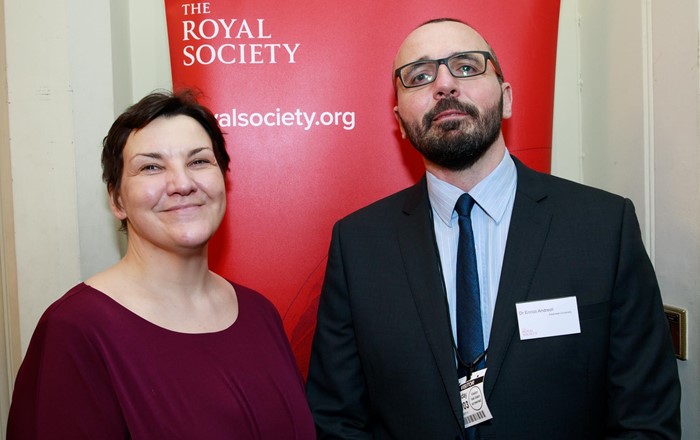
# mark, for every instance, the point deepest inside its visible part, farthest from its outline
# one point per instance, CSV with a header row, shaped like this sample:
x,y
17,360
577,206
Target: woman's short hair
x,y
152,106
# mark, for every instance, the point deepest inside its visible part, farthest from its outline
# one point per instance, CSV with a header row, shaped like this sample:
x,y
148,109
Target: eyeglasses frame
x,y
487,55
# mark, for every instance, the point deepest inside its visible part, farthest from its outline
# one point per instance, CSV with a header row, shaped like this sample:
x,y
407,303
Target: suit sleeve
x,y
62,389
335,384
644,390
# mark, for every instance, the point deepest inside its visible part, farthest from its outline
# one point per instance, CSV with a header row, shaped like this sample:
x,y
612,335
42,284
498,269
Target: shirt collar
x,y
492,194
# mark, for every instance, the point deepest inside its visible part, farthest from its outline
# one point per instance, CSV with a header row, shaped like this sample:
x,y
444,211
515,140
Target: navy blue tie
x,y
470,334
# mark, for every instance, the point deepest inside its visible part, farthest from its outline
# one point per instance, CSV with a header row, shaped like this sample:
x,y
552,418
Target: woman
x,y
158,346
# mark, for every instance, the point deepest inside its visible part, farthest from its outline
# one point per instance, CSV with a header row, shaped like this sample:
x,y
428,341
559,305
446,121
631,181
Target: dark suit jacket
x,y
382,362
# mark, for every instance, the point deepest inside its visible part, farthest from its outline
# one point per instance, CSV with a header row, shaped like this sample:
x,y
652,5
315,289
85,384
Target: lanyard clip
x,y
472,367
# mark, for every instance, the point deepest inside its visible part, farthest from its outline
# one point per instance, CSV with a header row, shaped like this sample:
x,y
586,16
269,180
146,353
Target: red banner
x,y
303,91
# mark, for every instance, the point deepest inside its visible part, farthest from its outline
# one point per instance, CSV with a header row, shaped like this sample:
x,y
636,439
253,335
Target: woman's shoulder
x,y
74,322
252,301
81,306
76,300
249,295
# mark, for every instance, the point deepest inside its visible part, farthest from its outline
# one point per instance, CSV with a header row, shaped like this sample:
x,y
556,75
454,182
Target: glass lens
x,y
467,64
417,74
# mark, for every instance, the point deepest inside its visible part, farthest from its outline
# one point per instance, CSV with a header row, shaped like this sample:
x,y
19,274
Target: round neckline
x,y
160,327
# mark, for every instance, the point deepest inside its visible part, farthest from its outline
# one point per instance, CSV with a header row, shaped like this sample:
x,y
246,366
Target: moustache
x,y
449,104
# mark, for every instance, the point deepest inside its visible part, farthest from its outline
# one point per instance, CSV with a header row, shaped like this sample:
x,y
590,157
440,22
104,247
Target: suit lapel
x,y
526,237
415,235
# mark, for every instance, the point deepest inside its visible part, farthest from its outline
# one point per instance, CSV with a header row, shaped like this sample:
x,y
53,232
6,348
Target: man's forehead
x,y
438,40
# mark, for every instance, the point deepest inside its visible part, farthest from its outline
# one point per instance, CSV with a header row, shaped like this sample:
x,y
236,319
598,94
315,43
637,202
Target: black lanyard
x,y
473,365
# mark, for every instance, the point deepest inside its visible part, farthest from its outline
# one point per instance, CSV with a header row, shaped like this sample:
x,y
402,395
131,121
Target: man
x,y
385,356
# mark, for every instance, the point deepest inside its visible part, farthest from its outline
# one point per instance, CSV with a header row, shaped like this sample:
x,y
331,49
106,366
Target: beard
x,y
456,144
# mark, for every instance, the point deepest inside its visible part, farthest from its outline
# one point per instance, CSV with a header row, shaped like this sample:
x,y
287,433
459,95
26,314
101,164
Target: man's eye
x,y
420,74
420,78
465,68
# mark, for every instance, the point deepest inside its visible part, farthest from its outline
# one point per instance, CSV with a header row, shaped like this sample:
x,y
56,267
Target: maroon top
x,y
95,370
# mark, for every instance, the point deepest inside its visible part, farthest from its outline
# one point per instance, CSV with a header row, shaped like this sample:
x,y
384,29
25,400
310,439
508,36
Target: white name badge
x,y
551,317
474,406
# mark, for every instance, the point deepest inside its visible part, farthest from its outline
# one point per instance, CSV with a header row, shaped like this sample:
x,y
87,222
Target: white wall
x,y
630,110
9,347
43,153
627,119
567,151
71,66
676,177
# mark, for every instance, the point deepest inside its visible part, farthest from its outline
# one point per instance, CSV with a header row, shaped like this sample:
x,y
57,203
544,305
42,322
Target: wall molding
x,y
9,309
648,121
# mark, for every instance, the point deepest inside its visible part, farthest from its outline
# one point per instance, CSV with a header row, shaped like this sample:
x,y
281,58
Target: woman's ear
x,y
115,204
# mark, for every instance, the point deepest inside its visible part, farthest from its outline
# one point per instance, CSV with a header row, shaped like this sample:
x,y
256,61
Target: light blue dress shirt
x,y
491,215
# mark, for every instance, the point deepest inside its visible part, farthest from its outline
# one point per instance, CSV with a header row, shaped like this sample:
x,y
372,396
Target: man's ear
x,y
507,92
398,119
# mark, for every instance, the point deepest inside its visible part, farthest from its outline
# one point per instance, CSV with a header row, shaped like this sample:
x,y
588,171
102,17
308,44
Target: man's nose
x,y
445,84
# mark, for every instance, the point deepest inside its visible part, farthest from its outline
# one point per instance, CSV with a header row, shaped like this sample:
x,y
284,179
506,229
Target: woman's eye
x,y
150,167
197,162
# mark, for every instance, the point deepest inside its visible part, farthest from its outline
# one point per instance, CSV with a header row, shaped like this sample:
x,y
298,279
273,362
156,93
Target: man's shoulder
x,y
559,190
390,206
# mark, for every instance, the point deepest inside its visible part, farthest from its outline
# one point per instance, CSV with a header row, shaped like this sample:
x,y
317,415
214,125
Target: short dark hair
x,y
152,106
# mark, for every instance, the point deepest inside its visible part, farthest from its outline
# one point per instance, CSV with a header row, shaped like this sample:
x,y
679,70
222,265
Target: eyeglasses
x,y
460,65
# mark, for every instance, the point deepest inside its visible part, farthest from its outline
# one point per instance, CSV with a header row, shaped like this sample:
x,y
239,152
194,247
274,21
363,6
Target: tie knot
x,y
464,205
